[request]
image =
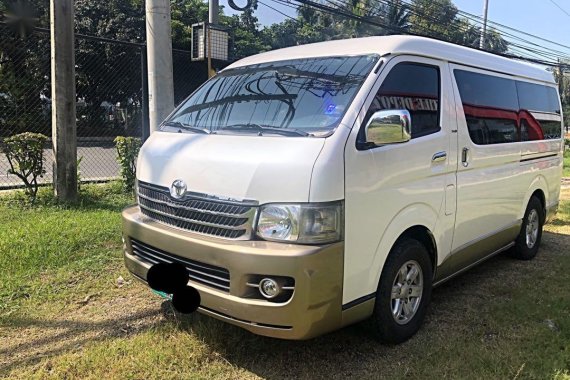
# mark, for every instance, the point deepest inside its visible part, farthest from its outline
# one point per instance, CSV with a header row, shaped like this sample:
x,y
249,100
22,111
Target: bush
x,y
127,152
25,155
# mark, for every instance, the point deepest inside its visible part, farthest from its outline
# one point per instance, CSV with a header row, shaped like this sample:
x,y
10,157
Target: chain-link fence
x,y
109,83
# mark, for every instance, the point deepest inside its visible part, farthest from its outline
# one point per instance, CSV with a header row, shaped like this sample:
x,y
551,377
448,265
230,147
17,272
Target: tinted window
x,y
535,101
487,91
414,87
491,107
535,97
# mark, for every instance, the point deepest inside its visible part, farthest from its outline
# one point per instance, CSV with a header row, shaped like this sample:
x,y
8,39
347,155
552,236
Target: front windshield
x,y
309,96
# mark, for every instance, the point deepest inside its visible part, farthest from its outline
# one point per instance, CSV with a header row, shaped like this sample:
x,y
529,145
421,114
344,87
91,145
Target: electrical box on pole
x,y
210,42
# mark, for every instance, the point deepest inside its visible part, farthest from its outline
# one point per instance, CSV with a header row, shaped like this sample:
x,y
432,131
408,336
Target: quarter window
x,y
540,112
414,87
538,98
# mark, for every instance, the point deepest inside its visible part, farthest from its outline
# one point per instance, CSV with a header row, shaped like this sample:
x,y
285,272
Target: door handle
x,y
439,156
464,157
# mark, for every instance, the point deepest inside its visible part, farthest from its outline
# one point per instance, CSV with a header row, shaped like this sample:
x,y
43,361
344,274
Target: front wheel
x,y
526,245
403,293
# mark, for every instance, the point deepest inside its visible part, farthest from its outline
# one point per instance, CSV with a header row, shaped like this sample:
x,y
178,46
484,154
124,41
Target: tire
x,y
391,328
528,241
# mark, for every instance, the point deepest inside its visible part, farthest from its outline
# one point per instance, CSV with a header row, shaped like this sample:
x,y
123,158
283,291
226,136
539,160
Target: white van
x,y
308,188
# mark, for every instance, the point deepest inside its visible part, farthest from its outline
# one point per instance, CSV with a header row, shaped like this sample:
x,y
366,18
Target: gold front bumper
x,y
314,308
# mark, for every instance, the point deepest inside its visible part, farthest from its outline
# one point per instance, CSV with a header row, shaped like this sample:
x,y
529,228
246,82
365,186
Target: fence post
x,y
64,129
145,132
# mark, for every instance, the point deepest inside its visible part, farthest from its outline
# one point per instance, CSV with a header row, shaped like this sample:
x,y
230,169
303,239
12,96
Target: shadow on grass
x,y
69,338
457,313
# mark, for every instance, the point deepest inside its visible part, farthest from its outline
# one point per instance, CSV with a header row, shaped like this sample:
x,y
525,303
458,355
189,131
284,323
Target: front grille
x,y
205,274
198,212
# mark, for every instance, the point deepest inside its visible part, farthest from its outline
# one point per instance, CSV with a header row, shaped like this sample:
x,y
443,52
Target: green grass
x,y
47,247
391,132
503,319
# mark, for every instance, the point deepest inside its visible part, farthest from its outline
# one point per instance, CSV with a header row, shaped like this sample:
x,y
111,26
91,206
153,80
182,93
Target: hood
x,y
261,168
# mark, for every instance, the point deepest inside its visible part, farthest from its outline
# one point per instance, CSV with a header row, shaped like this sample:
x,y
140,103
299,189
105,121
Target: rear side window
x,y
500,110
491,107
538,98
415,87
539,112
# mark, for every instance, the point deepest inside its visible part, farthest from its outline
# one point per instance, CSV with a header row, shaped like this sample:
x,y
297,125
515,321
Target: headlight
x,y
301,223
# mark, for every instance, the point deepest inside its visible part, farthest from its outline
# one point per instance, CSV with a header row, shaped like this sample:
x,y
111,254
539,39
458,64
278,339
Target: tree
x,y
396,17
247,38
283,34
24,66
104,71
494,42
468,34
434,18
184,13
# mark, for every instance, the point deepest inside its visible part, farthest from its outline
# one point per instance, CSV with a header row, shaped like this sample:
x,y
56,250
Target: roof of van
x,y
398,44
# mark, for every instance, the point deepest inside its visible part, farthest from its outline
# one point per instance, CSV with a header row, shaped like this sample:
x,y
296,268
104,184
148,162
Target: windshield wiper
x,y
252,127
177,124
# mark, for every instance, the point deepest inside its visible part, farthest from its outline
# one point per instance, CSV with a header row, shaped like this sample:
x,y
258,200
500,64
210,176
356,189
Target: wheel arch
x,y
417,221
426,238
538,188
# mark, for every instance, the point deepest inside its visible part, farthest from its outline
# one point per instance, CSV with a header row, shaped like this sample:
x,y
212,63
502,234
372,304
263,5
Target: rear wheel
x,y
403,293
528,241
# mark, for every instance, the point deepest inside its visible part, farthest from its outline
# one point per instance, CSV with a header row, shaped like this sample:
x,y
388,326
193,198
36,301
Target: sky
x,y
539,17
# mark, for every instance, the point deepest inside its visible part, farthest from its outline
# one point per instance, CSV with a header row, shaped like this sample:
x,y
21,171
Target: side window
x,y
539,113
491,107
538,98
415,87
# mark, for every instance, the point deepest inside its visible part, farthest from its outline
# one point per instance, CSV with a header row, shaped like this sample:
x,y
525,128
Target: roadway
x,y
99,163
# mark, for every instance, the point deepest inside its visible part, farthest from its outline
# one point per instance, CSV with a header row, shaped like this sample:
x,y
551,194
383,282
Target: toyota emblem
x,y
178,189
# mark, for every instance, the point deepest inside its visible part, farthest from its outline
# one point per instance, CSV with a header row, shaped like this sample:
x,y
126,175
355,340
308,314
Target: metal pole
x,y
145,131
159,58
484,29
213,12
209,36
64,129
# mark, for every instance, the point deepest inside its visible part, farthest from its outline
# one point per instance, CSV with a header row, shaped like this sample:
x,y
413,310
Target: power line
x,y
350,15
546,57
479,20
278,11
549,54
559,7
286,3
499,25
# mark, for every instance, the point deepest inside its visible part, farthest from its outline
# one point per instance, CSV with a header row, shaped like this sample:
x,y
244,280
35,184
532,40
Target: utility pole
x,y
64,130
560,80
214,10
159,55
484,29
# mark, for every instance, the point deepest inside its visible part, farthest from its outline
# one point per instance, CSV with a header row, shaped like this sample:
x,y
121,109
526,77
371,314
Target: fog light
x,y
269,288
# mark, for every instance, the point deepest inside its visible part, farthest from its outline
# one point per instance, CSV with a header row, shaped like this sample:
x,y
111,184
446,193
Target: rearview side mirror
x,y
388,127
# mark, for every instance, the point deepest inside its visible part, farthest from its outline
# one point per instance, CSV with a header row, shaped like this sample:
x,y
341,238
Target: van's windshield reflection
x,y
301,97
